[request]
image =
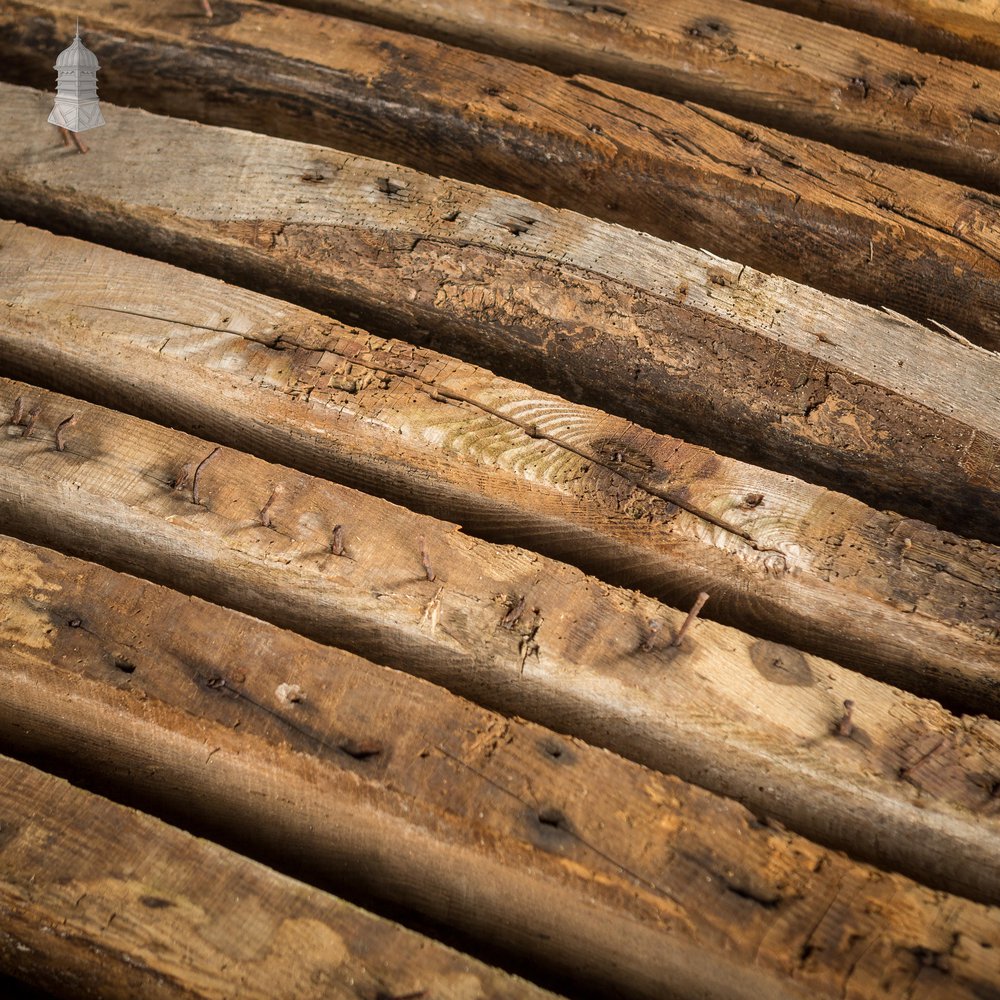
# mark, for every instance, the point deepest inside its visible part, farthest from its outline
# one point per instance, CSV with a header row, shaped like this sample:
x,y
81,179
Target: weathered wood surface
x,y
97,900
817,80
870,232
788,561
960,29
637,882
517,632
677,340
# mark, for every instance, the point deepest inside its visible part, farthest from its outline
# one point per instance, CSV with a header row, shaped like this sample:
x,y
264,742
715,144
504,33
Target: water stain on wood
x,y
781,664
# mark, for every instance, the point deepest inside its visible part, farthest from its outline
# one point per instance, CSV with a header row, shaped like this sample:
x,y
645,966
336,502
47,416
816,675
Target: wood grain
x,y
960,29
674,339
97,900
846,224
633,881
517,632
785,560
814,79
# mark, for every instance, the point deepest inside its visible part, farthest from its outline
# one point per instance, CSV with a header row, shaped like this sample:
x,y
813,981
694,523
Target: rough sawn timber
x,y
794,563
100,900
631,880
960,29
912,788
848,225
817,80
677,340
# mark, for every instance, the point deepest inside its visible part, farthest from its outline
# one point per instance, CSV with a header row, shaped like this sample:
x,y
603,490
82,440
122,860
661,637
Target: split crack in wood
x,y
532,431
293,694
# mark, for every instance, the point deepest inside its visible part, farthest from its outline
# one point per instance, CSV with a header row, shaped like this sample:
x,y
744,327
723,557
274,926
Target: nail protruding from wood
x,y
61,430
196,479
513,615
845,727
28,424
337,541
425,561
692,615
652,632
265,511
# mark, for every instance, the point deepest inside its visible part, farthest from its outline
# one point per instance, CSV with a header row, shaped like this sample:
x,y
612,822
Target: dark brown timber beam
x,y
794,563
851,226
813,79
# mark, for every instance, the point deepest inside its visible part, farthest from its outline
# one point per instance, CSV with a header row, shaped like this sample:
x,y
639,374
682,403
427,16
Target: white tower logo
x,y
76,108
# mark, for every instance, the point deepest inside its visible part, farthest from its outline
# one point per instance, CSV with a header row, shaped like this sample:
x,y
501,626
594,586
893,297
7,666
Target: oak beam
x,y
100,900
594,867
677,340
785,560
806,210
516,631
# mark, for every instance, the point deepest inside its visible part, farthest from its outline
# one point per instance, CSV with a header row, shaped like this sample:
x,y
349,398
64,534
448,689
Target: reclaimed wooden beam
x,y
838,756
677,340
959,29
100,900
630,880
794,563
848,225
817,80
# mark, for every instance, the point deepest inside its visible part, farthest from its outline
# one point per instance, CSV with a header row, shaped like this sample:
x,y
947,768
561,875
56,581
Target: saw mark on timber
x,y
532,430
547,816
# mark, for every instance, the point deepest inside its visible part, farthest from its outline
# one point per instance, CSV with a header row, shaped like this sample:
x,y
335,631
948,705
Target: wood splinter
x,y
699,603
207,8
425,561
64,426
